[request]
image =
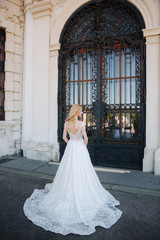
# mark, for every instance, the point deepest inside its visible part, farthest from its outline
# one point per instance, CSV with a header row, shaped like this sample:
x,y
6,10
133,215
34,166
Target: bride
x,y
75,202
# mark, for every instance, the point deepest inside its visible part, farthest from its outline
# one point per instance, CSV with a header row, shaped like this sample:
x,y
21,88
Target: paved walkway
x,y
125,180
139,220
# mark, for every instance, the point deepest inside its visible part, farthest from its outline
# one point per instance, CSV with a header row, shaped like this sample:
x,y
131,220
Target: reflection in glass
x,y
121,125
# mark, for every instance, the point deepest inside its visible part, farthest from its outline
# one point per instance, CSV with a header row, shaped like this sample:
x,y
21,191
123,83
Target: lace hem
x,y
105,217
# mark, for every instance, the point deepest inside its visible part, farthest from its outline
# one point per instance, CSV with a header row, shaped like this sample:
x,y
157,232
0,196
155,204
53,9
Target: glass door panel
x,y
119,92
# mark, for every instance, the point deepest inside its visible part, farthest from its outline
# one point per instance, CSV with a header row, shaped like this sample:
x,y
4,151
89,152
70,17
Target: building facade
x,y
104,55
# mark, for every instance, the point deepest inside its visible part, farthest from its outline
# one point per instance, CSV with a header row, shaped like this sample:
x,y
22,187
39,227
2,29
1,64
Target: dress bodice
x,y
78,135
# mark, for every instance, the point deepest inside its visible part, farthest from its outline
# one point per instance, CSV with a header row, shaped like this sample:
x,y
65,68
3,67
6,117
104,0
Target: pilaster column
x,y
53,100
27,78
36,79
41,12
151,162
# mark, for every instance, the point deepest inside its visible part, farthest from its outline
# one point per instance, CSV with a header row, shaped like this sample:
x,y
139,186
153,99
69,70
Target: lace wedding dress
x,y
75,202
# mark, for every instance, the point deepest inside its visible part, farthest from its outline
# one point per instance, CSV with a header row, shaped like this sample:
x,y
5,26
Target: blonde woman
x,y
75,202
73,125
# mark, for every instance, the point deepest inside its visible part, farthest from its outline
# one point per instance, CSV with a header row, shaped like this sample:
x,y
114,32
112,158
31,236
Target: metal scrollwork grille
x,y
2,60
102,67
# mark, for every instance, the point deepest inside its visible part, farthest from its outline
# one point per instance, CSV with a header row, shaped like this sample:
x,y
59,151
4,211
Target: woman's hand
x,y
85,142
84,135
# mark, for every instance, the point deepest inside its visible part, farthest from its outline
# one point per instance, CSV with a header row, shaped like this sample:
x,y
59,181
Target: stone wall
x,y
11,19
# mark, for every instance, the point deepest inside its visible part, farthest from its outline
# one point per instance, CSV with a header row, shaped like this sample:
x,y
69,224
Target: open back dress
x,y
75,202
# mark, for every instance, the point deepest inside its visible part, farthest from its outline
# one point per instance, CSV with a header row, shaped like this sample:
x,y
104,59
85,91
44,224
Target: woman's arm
x,y
64,137
84,135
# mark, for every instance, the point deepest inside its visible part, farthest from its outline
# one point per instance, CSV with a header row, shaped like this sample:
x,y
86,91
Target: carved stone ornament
x,y
21,16
59,3
7,15
12,17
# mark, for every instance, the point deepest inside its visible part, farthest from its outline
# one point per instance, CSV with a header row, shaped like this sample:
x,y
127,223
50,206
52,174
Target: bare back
x,y
74,129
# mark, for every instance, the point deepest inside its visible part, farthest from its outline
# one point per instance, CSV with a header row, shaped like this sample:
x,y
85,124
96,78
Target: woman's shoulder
x,y
81,123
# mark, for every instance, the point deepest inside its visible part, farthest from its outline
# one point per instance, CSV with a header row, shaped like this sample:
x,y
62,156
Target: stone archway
x,y
152,34
145,8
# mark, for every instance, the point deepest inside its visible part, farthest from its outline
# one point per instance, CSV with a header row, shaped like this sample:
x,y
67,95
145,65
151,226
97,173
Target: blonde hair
x,y
74,109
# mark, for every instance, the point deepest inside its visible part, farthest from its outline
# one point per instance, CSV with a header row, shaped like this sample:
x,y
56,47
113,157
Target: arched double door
x,y
102,67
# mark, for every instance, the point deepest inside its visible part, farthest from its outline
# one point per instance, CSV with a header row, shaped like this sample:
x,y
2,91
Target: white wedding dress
x,y
75,202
